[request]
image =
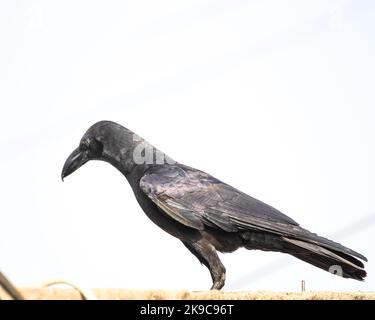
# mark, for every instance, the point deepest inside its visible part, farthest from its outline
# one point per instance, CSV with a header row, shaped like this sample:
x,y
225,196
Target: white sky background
x,y
274,97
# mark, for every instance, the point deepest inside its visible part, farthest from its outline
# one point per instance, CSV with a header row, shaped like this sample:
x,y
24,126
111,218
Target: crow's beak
x,y
75,160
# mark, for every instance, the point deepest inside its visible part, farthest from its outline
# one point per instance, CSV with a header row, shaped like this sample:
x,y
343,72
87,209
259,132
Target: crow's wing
x,y
196,199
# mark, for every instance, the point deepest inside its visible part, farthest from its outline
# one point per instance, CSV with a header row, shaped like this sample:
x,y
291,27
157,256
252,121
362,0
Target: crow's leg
x,y
207,255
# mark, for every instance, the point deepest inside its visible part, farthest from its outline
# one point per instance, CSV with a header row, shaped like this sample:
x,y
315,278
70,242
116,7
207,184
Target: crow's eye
x,y
95,147
84,145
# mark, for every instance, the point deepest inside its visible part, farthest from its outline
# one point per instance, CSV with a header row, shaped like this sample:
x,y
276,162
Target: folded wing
x,y
196,199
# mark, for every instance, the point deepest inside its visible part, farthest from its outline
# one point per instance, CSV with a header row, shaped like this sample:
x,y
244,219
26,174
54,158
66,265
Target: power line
x,y
9,288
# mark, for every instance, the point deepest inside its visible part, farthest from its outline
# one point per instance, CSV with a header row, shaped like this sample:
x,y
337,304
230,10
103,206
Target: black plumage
x,y
206,214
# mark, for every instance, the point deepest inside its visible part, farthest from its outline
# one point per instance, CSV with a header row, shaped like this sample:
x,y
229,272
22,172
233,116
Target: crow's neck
x,y
135,161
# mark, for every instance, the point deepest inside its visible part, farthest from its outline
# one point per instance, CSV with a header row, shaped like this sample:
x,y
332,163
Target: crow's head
x,y
105,140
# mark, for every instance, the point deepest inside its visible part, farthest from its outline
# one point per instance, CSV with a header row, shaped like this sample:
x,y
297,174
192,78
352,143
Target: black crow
x,y
206,214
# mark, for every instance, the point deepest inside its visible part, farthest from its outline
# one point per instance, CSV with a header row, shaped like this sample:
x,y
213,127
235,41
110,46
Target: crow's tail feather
x,y
327,259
